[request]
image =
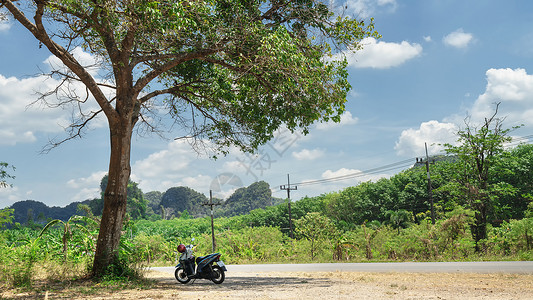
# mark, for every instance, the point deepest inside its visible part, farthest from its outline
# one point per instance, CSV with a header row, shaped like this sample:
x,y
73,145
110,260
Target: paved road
x,y
514,267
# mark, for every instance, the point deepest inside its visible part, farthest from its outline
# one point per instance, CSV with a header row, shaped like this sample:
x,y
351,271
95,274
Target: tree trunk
x,y
115,196
479,228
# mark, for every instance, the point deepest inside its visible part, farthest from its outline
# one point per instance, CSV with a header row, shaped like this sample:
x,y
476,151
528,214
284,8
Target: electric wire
x,y
396,165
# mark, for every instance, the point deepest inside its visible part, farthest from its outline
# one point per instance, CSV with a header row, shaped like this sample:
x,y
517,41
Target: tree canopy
x,y
477,152
228,72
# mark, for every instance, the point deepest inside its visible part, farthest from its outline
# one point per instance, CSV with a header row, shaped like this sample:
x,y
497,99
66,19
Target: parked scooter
x,y
205,267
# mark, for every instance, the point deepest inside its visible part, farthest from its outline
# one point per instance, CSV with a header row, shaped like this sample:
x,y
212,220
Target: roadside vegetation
x,y
387,220
478,214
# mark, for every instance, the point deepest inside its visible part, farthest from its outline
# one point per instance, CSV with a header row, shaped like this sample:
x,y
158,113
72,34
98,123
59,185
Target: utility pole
x,y
430,192
288,187
211,204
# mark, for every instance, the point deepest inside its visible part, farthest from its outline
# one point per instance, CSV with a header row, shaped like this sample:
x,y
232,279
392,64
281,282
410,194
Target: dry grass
x,y
304,285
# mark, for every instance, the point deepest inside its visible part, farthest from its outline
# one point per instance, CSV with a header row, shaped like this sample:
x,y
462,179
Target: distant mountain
x,y
246,199
176,200
173,203
39,212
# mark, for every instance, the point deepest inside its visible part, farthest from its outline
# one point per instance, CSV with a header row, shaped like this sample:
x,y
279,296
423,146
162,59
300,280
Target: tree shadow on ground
x,y
243,282
163,286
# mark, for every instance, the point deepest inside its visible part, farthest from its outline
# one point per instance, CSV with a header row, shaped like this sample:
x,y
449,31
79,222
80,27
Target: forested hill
x,y
30,211
183,201
174,203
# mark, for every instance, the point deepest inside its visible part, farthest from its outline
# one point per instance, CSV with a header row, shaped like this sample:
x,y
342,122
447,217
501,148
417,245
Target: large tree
x,y
229,72
477,151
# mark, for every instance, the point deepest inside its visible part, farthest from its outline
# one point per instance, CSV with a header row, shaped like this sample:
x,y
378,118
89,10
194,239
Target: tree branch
x,y
76,132
179,58
40,33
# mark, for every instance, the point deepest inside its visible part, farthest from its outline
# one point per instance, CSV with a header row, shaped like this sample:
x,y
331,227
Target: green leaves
x,y
6,216
4,167
239,69
477,154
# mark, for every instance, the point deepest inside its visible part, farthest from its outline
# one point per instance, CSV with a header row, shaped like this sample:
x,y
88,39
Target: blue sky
x,y
437,62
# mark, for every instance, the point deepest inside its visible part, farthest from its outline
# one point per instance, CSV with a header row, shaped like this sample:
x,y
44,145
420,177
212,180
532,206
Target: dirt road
x,y
339,285
315,285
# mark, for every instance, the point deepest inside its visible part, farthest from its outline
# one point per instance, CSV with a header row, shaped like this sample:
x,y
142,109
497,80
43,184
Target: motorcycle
x,y
204,267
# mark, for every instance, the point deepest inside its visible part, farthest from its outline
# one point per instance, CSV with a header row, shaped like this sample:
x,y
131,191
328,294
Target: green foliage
x,y
477,153
4,175
228,73
399,219
246,67
317,229
513,171
152,248
174,229
136,207
278,216
251,244
85,240
6,216
512,238
360,223
154,200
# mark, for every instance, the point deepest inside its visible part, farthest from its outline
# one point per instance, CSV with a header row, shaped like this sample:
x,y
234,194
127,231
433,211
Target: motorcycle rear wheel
x,y
218,275
181,276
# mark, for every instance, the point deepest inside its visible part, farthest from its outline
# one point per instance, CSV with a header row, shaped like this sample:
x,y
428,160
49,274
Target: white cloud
x,y
351,177
513,88
19,122
353,174
234,166
458,39
86,59
86,187
328,174
86,193
22,116
307,154
200,183
91,181
411,141
346,119
5,23
225,184
283,140
427,38
167,168
382,55
366,8
10,195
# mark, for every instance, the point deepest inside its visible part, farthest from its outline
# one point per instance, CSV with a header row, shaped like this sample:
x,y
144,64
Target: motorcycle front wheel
x,y
218,275
181,276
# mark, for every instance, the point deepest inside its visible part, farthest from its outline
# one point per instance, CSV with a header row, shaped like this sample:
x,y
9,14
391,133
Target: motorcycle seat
x,y
199,259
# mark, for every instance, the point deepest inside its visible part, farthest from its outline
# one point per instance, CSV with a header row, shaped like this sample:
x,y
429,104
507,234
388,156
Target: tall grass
x,y
27,256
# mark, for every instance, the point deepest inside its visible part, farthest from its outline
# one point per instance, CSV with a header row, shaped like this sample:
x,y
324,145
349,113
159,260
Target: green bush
x,y
253,244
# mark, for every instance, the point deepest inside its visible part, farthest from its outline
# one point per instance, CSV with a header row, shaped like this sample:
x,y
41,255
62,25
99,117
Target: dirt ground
x,y
325,285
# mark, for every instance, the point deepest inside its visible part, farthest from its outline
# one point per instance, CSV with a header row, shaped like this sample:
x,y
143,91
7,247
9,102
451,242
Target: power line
x,y
393,166
528,139
396,165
